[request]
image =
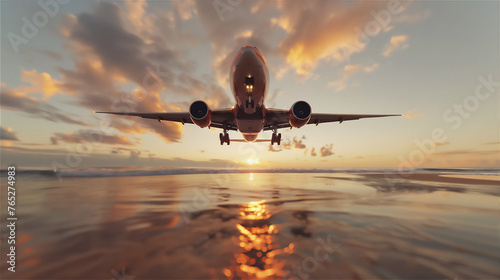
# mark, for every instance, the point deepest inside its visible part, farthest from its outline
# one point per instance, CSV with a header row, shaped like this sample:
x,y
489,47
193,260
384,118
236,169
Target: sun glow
x,y
252,161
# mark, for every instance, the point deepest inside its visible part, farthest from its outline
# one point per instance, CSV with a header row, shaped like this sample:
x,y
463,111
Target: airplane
x,y
249,78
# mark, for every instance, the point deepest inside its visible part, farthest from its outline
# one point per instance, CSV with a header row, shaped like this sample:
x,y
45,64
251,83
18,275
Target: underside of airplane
x,y
249,84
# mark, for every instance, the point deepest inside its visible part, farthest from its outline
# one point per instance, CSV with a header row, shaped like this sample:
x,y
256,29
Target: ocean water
x,y
289,224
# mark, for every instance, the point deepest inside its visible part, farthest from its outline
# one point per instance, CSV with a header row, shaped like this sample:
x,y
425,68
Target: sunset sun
x,y
253,161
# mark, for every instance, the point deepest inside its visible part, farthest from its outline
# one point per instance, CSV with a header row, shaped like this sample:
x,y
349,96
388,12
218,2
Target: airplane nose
x,y
248,49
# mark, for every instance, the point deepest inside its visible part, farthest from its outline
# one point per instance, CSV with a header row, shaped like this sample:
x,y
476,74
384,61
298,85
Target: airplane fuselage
x,y
249,84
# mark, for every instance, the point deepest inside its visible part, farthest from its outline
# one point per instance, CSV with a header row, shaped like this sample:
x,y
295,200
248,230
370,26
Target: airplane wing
x,y
281,117
218,117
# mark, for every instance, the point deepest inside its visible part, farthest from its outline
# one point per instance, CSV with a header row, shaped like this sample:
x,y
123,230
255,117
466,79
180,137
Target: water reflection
x,y
256,258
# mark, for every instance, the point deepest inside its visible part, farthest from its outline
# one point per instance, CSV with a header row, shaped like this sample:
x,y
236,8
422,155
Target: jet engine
x,y
300,114
200,114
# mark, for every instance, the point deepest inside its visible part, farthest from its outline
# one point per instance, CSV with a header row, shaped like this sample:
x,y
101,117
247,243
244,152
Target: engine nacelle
x,y
200,114
300,114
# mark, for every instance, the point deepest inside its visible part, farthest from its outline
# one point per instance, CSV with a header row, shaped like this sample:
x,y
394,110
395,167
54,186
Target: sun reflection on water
x,y
258,248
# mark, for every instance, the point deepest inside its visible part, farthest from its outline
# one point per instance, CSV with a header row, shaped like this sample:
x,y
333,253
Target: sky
x,y
434,62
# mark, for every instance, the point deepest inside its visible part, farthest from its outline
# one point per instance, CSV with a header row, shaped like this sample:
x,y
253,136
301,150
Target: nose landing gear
x,y
249,102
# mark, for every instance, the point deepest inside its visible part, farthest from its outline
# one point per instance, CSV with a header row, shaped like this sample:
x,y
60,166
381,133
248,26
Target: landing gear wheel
x,y
276,138
249,104
224,138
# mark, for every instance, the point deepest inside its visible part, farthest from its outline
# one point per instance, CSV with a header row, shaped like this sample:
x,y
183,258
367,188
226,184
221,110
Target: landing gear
x,y
224,138
249,102
276,137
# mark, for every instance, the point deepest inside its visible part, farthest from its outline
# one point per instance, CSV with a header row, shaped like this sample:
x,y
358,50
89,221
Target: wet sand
x,y
256,226
455,179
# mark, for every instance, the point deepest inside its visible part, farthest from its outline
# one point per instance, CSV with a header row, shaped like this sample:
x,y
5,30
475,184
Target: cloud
x,y
115,46
414,114
326,150
52,54
297,143
468,152
313,152
322,30
349,71
135,11
396,43
272,149
412,18
119,50
492,143
92,136
134,155
47,157
305,33
441,143
185,9
8,134
271,97
41,83
287,144
14,100
372,68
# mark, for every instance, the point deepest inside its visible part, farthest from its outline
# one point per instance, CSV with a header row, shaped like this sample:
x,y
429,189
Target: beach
x,y
257,225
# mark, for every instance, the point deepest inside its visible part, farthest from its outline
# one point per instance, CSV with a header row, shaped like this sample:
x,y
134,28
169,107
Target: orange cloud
x,y
372,68
326,150
321,30
185,9
441,144
14,100
313,152
349,71
396,43
41,83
